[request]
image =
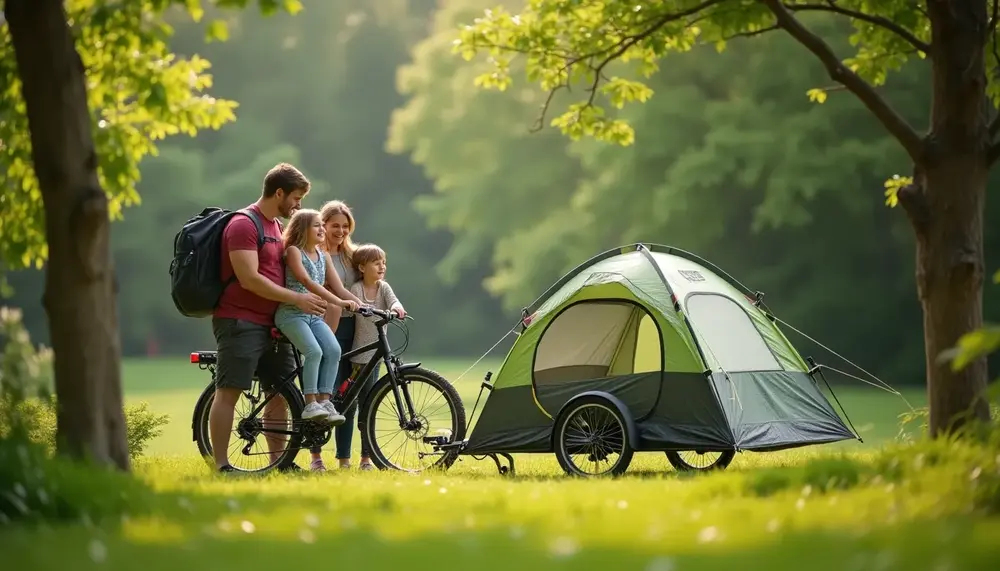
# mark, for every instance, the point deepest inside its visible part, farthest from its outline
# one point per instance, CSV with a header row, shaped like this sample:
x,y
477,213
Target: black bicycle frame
x,y
382,351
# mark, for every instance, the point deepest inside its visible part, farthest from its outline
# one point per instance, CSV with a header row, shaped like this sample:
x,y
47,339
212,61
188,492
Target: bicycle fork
x,y
408,415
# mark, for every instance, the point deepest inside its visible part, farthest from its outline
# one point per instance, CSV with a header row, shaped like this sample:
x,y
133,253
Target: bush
x,y
34,484
141,426
37,422
27,409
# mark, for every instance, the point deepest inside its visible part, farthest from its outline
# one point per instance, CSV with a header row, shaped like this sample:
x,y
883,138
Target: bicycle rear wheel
x,y
257,443
437,412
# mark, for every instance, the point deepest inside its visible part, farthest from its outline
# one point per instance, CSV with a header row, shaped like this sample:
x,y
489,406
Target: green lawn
x,y
853,507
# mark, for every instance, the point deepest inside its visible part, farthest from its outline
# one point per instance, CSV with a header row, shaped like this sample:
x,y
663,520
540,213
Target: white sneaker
x,y
314,411
334,417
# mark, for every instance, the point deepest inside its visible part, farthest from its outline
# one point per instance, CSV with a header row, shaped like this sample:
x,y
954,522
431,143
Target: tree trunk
x,y
947,212
79,294
950,283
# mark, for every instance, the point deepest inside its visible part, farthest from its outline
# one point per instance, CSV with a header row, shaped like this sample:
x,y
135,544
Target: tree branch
x,y
890,119
613,52
753,33
880,21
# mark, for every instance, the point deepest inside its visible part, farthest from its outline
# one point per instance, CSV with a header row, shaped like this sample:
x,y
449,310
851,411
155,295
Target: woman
x,y
338,220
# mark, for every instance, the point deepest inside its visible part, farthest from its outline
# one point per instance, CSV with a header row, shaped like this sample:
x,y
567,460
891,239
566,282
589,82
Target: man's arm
x,y
240,239
245,264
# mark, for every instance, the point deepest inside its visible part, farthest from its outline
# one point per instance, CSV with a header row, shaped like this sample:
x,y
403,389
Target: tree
x,y
569,44
94,85
733,166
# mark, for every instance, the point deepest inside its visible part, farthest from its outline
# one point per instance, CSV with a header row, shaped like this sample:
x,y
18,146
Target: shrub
x,y
34,484
27,409
141,426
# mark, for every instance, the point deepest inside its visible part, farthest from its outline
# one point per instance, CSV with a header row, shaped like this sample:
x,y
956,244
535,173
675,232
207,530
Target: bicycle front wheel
x,y
438,415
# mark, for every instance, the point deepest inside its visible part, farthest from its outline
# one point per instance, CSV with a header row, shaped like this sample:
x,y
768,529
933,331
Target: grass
x,y
849,507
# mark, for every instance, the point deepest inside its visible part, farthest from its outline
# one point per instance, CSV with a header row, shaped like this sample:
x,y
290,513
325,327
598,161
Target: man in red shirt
x,y
243,320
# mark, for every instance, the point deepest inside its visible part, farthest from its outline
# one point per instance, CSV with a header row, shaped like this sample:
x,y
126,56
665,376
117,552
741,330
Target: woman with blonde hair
x,y
338,221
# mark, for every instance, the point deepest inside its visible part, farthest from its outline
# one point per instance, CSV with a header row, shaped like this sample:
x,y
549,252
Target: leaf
x,y
892,187
974,345
817,95
293,7
217,30
139,92
194,9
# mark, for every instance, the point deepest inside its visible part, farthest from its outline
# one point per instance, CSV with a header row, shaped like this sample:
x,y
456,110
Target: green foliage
x,y
138,92
316,89
38,419
893,186
35,485
27,407
579,46
734,166
25,375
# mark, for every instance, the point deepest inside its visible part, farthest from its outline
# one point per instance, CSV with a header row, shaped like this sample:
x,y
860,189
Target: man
x,y
243,320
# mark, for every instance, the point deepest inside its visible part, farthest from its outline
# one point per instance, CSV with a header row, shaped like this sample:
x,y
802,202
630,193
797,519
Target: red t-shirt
x,y
240,303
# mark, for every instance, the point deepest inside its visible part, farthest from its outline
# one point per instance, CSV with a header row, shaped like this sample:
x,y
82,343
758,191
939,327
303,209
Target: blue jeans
x,y
345,432
319,347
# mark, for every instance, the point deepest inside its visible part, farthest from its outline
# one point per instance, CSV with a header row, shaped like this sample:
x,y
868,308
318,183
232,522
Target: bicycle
x,y
398,383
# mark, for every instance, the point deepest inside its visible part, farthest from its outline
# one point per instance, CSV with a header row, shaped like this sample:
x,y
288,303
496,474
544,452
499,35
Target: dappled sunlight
x,y
154,529
611,533
905,508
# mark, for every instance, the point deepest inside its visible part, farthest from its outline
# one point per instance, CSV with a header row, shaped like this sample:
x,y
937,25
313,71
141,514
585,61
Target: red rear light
x,y
195,358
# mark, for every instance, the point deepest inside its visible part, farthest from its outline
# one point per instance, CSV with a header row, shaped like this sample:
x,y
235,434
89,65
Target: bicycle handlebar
x,y
369,311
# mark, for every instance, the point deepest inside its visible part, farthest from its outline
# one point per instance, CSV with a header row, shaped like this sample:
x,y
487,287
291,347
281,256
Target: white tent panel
x,y
727,335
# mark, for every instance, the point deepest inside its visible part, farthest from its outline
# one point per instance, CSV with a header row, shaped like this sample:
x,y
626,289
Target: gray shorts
x,y
245,349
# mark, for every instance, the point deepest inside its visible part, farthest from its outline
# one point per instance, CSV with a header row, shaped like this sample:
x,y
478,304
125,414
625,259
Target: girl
x,y
309,269
372,289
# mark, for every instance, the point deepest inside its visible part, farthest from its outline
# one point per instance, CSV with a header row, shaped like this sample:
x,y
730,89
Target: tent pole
x,y
813,369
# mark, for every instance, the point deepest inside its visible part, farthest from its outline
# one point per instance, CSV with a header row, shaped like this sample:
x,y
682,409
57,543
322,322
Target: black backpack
x,y
196,270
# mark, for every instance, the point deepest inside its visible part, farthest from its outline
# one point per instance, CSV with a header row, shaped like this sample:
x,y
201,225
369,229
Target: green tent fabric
x,y
693,355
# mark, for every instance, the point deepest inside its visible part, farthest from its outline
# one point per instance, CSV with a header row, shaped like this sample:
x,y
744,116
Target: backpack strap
x,y
261,237
252,214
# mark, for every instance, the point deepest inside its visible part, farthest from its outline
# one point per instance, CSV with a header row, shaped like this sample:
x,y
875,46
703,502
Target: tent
x,y
695,356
